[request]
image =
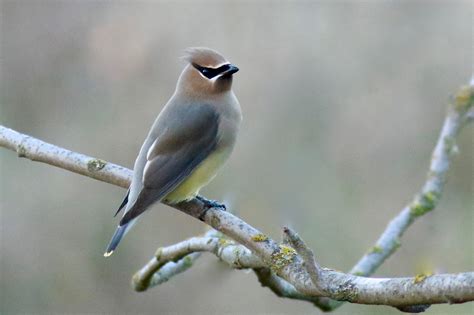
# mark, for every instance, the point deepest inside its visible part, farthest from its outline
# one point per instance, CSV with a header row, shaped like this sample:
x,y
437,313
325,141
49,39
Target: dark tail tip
x,y
119,233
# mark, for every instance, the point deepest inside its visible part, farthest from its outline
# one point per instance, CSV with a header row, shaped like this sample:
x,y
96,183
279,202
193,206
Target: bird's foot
x,y
211,203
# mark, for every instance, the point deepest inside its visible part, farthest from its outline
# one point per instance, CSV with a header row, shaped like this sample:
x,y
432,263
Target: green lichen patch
x,y
425,203
224,242
396,244
259,238
346,292
464,98
215,222
376,250
431,198
95,165
418,209
450,146
236,263
419,278
187,262
282,257
158,253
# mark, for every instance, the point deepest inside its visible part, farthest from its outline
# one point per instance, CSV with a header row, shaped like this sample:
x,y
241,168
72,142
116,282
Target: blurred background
x,y
342,104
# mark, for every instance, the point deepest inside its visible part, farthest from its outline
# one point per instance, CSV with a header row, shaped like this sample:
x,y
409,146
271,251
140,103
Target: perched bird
x,y
189,141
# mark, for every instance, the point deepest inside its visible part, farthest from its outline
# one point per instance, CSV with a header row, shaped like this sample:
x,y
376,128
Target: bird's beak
x,y
232,69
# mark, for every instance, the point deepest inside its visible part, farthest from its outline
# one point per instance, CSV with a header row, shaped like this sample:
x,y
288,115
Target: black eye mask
x,y
211,72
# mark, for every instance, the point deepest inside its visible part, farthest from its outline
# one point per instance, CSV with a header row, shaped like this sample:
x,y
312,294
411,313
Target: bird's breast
x,y
200,177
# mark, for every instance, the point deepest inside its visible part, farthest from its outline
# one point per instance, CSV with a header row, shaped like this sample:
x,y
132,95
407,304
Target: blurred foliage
x,y
342,102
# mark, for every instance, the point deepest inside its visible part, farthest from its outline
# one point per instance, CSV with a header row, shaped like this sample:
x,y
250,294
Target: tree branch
x,y
400,292
40,151
306,254
235,255
431,191
293,274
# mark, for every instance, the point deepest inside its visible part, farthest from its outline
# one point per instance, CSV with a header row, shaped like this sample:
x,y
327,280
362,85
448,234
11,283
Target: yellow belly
x,y
199,178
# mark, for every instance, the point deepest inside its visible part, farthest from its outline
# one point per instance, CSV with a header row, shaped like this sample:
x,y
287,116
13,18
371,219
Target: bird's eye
x,y
207,72
211,72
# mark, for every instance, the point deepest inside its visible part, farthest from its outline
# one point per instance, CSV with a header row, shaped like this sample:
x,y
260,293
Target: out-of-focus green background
x,y
342,103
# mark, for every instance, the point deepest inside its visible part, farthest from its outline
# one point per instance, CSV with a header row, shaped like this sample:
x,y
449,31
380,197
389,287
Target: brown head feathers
x,y
204,57
208,73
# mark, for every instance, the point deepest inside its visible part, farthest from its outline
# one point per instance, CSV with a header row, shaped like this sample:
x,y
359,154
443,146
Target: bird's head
x,y
207,72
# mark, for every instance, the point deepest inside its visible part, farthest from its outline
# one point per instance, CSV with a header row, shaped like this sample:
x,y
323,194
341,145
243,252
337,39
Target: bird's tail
x,y
119,233
117,237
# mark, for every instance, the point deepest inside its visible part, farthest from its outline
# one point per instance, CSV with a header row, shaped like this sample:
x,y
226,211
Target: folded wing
x,y
176,152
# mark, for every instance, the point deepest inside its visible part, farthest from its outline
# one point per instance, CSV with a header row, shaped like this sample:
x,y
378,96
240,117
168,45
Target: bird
x,y
191,138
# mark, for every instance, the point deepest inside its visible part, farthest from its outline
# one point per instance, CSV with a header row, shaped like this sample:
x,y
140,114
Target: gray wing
x,y
191,137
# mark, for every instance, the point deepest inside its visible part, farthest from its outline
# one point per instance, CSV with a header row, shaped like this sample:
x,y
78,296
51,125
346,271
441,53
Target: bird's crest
x,y
204,57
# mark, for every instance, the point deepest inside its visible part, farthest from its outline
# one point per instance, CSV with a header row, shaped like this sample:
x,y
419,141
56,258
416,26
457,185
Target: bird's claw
x,y
216,205
212,203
